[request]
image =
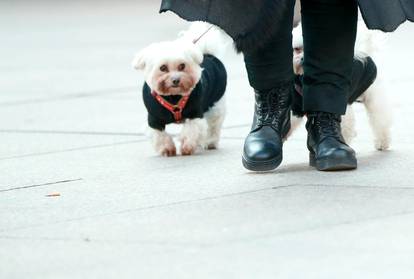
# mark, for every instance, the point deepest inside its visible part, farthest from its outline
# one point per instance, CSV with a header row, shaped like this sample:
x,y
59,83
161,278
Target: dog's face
x,y
297,44
170,68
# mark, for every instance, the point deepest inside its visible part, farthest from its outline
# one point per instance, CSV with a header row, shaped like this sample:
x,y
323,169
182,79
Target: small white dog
x,y
373,98
185,83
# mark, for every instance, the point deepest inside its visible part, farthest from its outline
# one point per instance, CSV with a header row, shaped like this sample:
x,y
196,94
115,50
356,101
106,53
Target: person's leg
x,y
270,73
272,65
329,32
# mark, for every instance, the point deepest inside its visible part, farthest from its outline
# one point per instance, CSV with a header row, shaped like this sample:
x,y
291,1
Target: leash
x,y
202,35
177,109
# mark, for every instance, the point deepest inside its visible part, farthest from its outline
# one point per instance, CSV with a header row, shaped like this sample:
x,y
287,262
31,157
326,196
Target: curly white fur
x,y
215,118
214,42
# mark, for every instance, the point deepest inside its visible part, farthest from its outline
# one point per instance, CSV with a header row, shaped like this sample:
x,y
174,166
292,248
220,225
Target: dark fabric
x,y
364,73
297,97
251,23
386,15
271,64
329,28
207,92
329,32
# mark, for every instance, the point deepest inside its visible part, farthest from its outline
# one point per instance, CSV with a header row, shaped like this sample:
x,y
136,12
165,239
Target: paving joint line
x,y
90,133
94,93
70,150
40,185
100,133
184,202
217,243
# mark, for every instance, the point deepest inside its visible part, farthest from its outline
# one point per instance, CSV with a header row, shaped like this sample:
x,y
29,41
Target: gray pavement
x,y
71,122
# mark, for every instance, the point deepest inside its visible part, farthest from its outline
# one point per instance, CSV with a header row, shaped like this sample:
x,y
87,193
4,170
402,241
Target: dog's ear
x,y
139,61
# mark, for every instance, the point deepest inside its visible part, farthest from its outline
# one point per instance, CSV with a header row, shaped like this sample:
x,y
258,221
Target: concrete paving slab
x,y
344,251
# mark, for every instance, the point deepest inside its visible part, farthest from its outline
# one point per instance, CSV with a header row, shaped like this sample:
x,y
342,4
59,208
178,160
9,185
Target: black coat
x,y
252,22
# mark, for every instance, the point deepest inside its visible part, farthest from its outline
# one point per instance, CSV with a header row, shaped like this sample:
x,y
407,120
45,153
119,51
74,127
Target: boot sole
x,y
262,165
332,164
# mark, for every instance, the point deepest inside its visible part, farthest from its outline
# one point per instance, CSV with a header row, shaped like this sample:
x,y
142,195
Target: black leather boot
x,y
327,147
263,146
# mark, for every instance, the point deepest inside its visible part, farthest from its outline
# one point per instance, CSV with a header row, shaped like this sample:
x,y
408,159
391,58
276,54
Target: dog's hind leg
x,y
380,116
348,125
215,118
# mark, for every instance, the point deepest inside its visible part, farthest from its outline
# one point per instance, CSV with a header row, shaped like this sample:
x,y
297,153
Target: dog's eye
x,y
181,67
297,49
164,68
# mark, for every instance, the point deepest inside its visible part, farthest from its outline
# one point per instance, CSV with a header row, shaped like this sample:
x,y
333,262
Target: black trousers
x,y
329,33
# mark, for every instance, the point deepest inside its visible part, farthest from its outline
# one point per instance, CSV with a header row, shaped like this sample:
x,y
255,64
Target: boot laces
x,y
328,125
269,106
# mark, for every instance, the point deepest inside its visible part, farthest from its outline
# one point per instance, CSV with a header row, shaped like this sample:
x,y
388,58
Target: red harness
x,y
177,109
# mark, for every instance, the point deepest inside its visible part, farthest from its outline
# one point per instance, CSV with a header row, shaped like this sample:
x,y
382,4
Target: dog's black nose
x,y
175,81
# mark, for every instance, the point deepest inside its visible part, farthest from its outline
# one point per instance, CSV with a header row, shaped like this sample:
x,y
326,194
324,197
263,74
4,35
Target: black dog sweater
x,y
207,92
364,73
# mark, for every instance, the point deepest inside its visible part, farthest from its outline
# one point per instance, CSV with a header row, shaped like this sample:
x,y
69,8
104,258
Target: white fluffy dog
x,y
374,99
185,83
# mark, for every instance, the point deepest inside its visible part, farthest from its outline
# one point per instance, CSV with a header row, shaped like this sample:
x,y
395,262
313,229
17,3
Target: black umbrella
x,y
386,15
251,22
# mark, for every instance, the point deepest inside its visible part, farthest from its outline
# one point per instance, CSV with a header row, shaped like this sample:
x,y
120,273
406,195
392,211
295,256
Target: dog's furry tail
x,y
369,41
212,40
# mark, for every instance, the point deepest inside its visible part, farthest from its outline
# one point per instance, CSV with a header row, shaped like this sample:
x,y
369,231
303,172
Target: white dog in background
x,y
374,98
172,71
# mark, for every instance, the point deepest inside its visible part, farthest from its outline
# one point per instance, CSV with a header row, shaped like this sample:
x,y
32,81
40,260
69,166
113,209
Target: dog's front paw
x,y
188,147
168,151
164,144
